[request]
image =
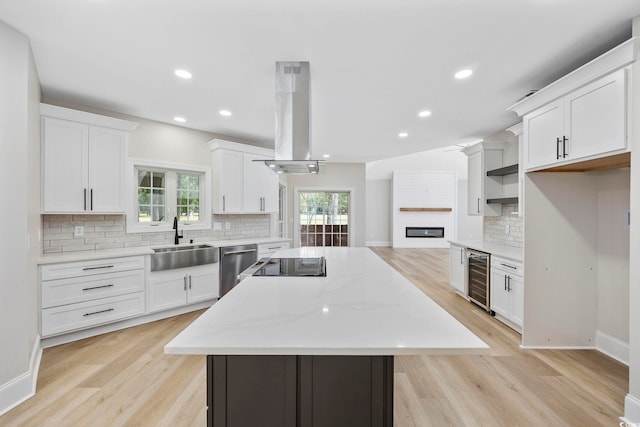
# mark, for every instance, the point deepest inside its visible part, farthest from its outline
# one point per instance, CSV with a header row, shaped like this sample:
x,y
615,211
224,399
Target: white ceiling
x,y
374,64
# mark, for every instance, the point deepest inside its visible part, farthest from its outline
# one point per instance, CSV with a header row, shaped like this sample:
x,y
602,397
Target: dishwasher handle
x,y
244,251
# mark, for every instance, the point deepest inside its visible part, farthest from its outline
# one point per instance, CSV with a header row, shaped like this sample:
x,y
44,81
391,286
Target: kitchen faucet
x,y
175,227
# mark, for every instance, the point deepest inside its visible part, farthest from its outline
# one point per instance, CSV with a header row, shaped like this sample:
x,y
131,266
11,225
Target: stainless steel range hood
x,y
293,120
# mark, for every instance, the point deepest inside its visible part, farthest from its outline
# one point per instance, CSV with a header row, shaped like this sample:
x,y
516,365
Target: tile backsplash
x,y
495,227
108,232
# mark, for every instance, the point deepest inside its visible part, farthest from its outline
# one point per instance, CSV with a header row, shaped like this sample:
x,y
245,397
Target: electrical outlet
x,y
78,231
227,226
217,226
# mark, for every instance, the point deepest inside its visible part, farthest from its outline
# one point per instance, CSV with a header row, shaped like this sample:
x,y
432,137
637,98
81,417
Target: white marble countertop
x,y
362,307
144,250
510,252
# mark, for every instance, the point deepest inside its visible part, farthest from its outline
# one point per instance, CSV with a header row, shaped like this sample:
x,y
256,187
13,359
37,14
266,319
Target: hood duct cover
x,y
293,120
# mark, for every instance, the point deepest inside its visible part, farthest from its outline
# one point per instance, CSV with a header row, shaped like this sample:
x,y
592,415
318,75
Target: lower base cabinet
x,y
507,292
182,286
300,391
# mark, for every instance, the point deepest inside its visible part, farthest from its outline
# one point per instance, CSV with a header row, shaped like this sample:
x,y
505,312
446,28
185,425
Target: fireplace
x,y
424,232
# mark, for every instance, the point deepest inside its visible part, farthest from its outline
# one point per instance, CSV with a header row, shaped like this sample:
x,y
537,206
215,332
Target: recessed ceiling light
x,y
424,113
463,74
180,119
326,156
183,74
403,134
225,113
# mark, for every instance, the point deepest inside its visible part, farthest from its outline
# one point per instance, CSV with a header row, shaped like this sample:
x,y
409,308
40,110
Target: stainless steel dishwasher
x,y
234,260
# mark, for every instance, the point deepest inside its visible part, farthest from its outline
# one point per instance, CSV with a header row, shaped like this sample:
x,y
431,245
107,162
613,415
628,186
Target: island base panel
x,y
283,391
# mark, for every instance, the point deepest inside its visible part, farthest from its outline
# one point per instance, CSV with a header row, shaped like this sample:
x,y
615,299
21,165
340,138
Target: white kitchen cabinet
x,y
79,295
585,124
483,157
268,249
179,287
507,292
83,163
240,184
457,269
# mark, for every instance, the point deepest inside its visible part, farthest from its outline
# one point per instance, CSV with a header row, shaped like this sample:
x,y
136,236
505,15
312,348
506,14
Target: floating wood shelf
x,y
426,209
507,170
503,200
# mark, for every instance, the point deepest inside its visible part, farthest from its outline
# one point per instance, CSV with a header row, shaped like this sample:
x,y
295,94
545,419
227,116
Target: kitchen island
x,y
298,351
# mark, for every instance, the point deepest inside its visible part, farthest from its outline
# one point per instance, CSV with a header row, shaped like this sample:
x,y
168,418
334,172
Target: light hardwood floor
x,y
124,379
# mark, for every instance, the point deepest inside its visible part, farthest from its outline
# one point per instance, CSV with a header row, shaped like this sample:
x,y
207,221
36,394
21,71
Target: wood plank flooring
x,y
124,379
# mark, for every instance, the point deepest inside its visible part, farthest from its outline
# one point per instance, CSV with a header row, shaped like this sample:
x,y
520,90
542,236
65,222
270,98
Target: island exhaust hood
x,y
293,120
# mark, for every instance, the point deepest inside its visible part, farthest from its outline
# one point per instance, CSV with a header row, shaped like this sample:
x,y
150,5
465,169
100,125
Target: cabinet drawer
x,y
86,268
514,268
79,289
266,249
70,317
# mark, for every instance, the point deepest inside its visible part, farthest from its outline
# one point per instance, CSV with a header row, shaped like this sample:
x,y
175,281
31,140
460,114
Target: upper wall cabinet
x,y
83,159
482,158
241,184
581,117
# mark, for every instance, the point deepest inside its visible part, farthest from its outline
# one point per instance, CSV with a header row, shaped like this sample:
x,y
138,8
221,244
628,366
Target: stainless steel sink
x,y
183,256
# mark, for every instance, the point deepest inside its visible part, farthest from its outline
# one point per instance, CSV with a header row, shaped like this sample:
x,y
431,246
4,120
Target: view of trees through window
x,y
165,191
151,196
188,197
324,218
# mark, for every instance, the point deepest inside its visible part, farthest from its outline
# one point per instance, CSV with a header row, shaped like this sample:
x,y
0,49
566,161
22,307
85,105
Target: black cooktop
x,y
314,267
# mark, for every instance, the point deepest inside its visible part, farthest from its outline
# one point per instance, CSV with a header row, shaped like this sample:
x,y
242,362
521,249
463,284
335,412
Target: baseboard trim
x,y
612,347
377,243
22,387
631,411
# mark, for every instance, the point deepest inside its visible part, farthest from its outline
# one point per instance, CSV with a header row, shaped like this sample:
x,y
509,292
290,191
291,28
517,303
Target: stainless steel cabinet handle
x,y
564,146
189,281
557,148
97,268
91,198
478,204
510,266
110,285
505,282
508,283
85,199
184,279
98,312
223,204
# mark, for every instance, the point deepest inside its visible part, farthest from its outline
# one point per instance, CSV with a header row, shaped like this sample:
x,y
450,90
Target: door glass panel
x,y
323,218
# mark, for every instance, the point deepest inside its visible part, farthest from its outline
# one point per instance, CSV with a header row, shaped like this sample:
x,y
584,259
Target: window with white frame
x,y
161,192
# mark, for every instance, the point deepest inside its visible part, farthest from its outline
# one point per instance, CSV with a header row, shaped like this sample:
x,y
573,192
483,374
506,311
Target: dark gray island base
x,y
299,391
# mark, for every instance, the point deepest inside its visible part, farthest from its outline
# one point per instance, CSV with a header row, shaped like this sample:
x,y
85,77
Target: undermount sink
x,y
183,256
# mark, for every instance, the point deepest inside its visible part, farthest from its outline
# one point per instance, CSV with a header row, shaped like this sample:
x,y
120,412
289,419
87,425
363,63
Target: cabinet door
x,y
106,169
499,294
270,181
456,268
253,202
516,294
167,290
229,192
542,128
474,195
65,165
203,284
597,117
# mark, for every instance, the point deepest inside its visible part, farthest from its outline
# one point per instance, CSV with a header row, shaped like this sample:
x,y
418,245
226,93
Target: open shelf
x,y
507,170
503,200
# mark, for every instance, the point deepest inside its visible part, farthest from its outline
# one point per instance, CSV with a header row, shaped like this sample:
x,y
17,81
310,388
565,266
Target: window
x,y
323,218
162,191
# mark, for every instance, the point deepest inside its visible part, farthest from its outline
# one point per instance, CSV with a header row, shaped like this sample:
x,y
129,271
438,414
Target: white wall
x,y
19,223
379,192
632,401
332,176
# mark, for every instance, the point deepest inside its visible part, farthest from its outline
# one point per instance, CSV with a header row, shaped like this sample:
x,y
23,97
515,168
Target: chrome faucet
x,y
175,227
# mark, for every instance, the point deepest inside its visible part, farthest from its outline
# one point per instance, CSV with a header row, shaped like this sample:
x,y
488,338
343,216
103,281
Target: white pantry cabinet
x,y
240,184
83,294
507,292
83,159
183,286
457,269
587,123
